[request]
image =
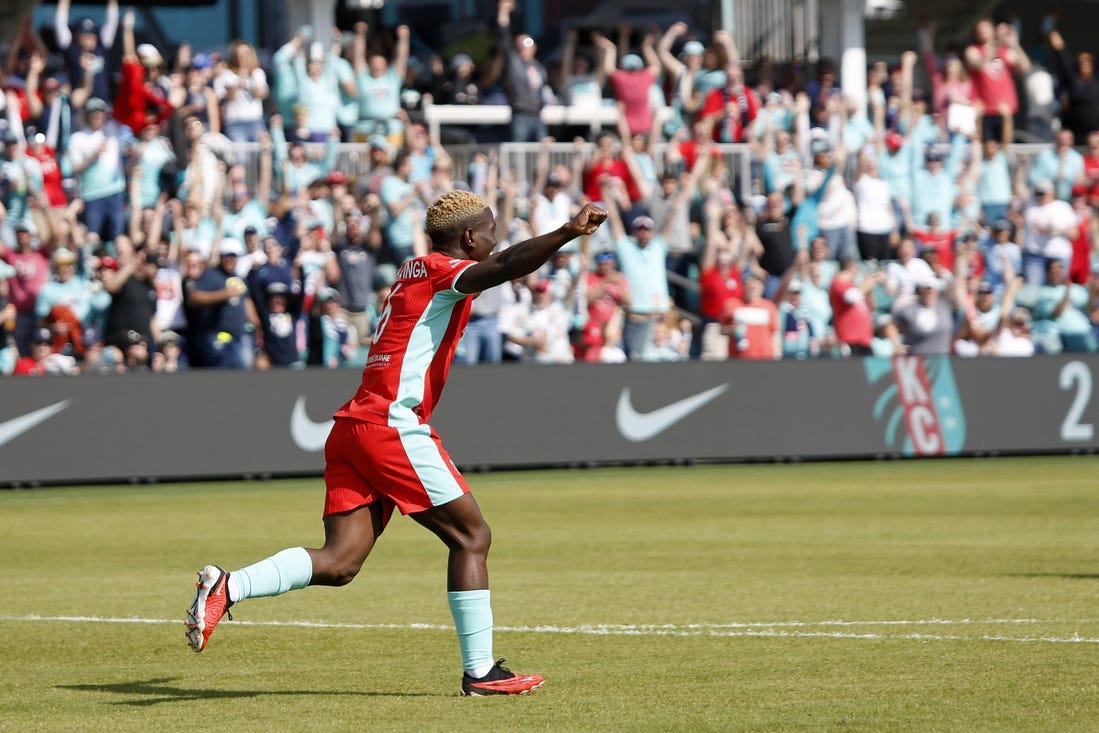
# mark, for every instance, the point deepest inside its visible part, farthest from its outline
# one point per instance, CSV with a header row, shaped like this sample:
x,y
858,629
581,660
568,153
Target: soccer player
x,y
382,453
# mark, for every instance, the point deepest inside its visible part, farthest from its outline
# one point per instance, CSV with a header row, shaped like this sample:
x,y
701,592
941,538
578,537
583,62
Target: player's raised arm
x,y
461,225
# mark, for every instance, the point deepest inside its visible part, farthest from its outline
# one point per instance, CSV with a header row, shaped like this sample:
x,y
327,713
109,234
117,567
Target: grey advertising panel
x,y
208,424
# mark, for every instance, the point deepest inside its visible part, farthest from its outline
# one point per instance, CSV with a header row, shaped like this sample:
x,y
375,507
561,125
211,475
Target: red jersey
x,y
942,241
716,289
754,327
853,321
993,83
616,168
51,174
730,126
414,344
138,103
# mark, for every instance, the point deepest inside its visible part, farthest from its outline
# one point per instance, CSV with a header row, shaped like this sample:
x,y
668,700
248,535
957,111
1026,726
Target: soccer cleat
x,y
211,603
500,681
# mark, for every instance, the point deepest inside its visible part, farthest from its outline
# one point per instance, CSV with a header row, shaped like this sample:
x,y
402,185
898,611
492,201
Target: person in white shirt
x,y
877,223
1050,225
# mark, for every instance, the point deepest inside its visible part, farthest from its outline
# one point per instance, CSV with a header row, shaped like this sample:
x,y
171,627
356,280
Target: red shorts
x,y
406,468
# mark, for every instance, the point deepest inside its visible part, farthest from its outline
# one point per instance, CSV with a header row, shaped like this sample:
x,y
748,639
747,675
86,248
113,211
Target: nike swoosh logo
x,y
308,435
639,427
12,429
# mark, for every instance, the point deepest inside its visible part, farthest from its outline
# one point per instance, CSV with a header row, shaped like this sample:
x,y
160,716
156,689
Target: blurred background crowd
x,y
164,211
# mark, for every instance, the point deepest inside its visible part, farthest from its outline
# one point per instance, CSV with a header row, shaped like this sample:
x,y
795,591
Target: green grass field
x,y
954,595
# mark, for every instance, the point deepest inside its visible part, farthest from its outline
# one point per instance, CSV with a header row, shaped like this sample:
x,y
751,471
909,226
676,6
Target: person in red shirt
x,y
933,235
632,81
1087,238
608,294
992,59
852,317
382,453
608,162
51,170
140,100
752,324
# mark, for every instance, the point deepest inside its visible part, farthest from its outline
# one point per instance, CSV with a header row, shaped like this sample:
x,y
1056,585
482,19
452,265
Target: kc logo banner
x,y
919,404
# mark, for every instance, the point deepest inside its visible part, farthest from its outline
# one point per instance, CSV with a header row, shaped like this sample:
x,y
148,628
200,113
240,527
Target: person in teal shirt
x,y
1060,164
379,84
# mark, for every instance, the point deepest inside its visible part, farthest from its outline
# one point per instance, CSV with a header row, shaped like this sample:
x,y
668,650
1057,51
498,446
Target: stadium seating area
x,y
204,210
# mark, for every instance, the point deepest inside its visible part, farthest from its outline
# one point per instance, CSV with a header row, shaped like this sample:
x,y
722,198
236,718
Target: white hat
x,y
230,246
149,55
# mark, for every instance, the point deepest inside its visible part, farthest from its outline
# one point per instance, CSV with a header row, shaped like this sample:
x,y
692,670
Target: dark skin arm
x,y
522,259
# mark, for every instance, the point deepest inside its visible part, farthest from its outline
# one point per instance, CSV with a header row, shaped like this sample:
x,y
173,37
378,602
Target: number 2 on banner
x,y
1076,374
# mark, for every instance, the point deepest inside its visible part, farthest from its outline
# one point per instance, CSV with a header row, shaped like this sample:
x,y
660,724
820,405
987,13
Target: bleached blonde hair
x,y
453,210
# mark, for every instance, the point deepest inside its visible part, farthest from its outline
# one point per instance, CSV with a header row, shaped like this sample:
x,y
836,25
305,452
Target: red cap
x,y
894,140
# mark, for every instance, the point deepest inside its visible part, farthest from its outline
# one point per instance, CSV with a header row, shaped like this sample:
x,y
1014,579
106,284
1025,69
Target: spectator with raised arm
x,y
95,154
631,80
242,89
1078,85
525,80
642,254
992,59
378,81
89,47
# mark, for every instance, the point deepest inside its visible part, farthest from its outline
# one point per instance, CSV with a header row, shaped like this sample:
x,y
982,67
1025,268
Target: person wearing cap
x,y
95,154
630,80
926,323
67,301
222,311
799,339
525,80
49,169
303,72
379,81
695,70
140,99
133,295
20,178
1050,225
642,254
242,88
32,270
1002,256
552,203
89,40
278,319
40,358
934,190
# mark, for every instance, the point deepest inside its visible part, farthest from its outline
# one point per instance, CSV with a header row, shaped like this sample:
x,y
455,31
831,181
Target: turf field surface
x,y
953,595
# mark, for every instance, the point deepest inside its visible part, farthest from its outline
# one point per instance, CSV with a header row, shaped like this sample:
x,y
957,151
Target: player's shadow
x,y
1066,576
154,692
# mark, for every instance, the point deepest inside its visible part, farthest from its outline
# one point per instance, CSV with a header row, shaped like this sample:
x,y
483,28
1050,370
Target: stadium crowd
x,y
134,238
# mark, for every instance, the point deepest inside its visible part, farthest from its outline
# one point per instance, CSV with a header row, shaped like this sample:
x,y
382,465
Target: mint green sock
x,y
472,614
286,570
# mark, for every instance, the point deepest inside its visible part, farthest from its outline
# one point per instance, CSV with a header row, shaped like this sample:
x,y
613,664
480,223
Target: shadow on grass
x,y
1066,576
154,692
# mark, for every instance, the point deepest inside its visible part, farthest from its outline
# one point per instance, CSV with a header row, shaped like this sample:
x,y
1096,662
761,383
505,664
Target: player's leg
x,y
355,516
462,528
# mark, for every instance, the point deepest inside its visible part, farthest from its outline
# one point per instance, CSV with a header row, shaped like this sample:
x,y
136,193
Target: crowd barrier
x,y
206,424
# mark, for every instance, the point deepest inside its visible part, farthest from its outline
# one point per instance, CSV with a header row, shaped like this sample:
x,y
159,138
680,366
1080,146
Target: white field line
x,y
778,629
